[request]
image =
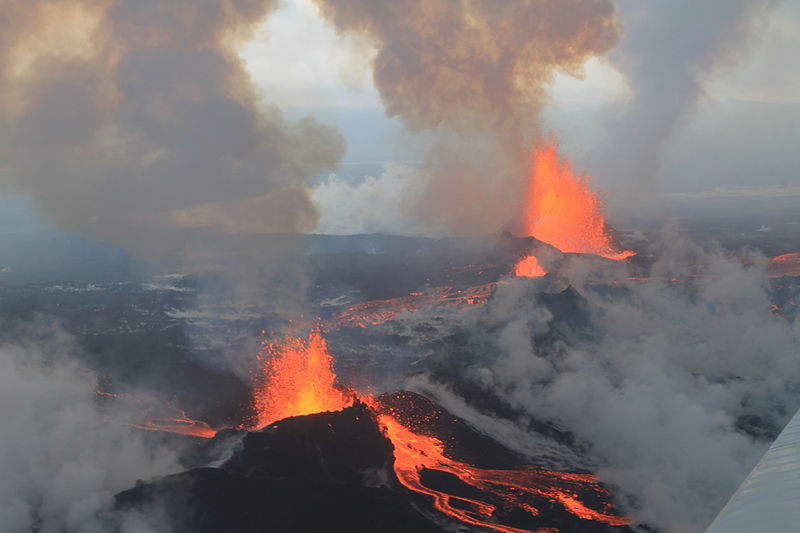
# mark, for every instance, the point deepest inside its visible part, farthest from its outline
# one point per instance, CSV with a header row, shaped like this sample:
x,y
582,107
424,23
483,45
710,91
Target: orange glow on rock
x,y
529,267
784,265
562,211
375,312
160,416
297,378
515,488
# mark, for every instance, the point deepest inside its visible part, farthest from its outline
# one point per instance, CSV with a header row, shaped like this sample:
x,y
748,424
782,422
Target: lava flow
x,y
784,265
161,416
374,312
518,488
562,211
297,378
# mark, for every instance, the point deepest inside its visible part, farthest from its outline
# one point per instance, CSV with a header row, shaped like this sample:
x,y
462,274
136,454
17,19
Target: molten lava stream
x,y
162,417
784,265
414,453
375,312
529,267
297,378
562,211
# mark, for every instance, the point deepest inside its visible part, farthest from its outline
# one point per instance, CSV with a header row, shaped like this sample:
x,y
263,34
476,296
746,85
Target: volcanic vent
x,y
561,210
396,462
313,456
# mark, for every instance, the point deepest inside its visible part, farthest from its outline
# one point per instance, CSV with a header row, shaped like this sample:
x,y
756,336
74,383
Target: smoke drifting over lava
x,y
476,74
122,116
675,385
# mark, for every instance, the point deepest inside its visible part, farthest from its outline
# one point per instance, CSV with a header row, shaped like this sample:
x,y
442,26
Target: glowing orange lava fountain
x,y
562,211
297,378
529,267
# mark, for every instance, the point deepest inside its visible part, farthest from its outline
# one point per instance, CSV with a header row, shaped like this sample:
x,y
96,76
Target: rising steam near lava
x,y
664,390
63,455
667,83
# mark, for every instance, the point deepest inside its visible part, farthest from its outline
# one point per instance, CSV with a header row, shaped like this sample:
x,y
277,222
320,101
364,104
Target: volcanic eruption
x,y
562,211
429,457
296,378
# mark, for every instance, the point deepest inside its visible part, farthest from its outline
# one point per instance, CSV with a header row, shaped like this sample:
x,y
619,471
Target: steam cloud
x,y
62,457
476,73
675,390
123,116
668,50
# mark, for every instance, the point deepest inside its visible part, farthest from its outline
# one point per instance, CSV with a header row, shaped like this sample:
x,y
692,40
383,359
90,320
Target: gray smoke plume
x,y
121,117
668,50
476,73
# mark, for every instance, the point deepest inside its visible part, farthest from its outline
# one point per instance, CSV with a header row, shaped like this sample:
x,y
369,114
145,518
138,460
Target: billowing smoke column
x,y
476,73
668,50
119,116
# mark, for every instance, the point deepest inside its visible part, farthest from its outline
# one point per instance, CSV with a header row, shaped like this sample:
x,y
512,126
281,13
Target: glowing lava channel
x,y
162,417
562,211
375,312
297,378
414,453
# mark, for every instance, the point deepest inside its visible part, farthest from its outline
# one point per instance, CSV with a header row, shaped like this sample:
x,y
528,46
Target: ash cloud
x,y
121,118
63,456
673,389
476,75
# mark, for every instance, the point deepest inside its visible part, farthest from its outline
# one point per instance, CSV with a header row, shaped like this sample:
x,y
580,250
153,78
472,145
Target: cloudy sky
x,y
737,141
323,69
686,100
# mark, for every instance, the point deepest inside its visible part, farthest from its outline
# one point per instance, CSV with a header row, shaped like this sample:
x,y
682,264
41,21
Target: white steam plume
x,y
668,50
62,457
675,389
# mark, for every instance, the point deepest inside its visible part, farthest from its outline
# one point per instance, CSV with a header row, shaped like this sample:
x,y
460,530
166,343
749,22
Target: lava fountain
x,y
529,267
562,211
297,378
